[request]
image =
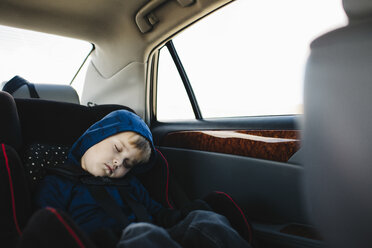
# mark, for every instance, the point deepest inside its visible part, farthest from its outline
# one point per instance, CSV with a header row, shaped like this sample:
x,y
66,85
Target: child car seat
x,y
50,128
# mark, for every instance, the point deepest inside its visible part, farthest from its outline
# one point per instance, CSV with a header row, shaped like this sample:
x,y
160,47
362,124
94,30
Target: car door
x,y
226,109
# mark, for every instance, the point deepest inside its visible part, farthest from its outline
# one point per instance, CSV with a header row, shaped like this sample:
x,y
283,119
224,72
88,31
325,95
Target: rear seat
x,y
21,88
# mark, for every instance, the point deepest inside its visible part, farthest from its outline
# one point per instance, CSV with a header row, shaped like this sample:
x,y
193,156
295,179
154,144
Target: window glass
x,y
40,57
248,58
172,99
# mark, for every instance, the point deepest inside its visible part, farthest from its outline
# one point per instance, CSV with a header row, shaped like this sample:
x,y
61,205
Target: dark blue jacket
x,y
73,196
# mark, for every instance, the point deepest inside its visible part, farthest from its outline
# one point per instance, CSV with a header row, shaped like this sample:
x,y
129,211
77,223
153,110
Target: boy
x,y
105,159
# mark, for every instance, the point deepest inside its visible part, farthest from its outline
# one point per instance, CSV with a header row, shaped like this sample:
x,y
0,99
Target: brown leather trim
x,y
276,145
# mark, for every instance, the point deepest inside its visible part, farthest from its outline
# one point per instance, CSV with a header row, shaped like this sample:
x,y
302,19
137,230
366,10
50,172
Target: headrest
x,y
357,9
10,130
337,137
19,87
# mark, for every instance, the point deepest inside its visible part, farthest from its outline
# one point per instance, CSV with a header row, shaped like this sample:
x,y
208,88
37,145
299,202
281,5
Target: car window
x,y
173,102
241,64
40,57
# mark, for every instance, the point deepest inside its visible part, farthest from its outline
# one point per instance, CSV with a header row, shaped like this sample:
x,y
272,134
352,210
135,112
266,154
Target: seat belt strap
x,y
32,90
138,209
106,202
17,82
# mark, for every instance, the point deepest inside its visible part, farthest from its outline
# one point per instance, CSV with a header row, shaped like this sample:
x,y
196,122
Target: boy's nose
x,y
116,164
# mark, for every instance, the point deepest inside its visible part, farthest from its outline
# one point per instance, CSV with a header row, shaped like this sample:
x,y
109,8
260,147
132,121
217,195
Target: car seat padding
x,y
68,228
50,227
10,181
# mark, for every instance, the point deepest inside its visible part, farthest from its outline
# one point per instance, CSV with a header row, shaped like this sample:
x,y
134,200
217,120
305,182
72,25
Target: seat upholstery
x,y
10,131
337,136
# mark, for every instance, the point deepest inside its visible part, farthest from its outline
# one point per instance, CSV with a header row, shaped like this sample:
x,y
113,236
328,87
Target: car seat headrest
x,y
52,122
357,9
337,137
10,130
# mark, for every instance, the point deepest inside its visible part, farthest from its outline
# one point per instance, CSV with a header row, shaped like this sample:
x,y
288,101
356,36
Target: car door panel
x,y
204,158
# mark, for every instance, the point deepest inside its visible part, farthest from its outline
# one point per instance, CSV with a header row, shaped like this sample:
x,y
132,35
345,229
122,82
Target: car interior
x,y
296,179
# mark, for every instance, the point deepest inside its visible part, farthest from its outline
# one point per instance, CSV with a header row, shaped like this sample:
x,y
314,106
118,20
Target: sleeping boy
x,y
106,157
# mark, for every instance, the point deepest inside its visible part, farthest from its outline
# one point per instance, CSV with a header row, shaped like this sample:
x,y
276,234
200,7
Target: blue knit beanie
x,y
113,123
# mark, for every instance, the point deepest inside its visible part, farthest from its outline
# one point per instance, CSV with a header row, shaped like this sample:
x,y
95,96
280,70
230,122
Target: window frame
x,y
185,79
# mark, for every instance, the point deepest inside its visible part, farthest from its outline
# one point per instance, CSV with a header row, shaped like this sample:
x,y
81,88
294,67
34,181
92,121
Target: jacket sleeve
x,y
53,192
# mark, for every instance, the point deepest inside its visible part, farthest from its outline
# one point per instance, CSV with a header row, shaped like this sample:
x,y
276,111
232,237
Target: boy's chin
x,y
117,176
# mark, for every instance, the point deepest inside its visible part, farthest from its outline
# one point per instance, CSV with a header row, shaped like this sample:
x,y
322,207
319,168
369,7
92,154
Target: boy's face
x,y
113,156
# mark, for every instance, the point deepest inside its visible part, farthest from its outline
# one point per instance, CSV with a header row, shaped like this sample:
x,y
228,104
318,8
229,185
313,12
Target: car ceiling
x,y
108,24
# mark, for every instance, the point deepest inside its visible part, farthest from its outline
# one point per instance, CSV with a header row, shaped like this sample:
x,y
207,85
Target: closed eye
x,y
117,149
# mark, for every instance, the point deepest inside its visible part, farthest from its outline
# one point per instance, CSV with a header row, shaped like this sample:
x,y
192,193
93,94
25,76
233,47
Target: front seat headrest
x,y
358,9
337,138
10,129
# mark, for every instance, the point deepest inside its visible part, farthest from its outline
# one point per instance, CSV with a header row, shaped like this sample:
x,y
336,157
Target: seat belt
x,y
104,199
138,209
17,82
112,208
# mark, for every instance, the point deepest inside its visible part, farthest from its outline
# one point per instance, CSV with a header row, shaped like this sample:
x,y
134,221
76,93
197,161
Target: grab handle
x,y
145,19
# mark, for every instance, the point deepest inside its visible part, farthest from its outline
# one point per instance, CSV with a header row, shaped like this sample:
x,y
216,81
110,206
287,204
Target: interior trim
x,y
275,145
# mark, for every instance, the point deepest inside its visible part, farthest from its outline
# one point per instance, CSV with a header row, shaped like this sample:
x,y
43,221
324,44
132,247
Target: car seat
x,y
48,129
337,130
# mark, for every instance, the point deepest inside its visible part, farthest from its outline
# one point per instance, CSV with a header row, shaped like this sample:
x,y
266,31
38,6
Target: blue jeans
x,y
200,228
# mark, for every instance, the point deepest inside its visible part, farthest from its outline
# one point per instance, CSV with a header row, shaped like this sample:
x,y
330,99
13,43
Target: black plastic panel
x,y
268,191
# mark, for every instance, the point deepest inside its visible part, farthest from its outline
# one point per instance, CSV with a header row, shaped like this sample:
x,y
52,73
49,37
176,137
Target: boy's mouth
x,y
109,168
